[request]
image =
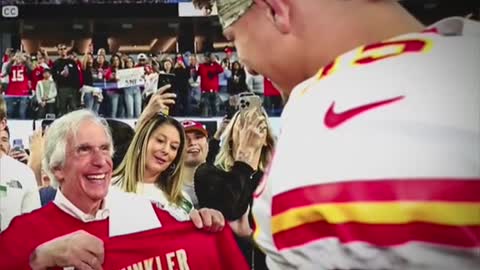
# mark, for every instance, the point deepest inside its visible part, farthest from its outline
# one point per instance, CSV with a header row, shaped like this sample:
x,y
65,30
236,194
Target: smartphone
x,y
18,145
247,101
46,123
164,79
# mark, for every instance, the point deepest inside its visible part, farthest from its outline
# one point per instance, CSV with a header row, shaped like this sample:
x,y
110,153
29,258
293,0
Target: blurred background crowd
x,y
206,85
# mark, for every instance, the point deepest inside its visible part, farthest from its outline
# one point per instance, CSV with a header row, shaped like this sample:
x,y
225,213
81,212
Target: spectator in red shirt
x,y
39,66
209,85
17,95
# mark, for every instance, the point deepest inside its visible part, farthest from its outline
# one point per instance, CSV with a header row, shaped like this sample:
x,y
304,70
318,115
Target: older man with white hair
x,y
91,225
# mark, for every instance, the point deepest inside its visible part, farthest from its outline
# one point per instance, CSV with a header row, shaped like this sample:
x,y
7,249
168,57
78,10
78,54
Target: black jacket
x,y
228,192
231,192
73,78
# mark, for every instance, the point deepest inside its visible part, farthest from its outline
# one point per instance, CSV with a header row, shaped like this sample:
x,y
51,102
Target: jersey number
x,y
17,75
380,51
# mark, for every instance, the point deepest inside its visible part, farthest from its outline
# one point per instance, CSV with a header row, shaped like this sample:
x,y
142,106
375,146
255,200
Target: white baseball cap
x,y
142,56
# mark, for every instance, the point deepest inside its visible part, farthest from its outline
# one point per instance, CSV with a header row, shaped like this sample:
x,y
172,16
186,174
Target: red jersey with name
x,y
18,81
181,247
175,245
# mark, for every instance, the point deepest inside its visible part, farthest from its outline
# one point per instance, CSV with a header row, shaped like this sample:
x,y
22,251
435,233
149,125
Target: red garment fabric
x,y
80,72
173,246
109,74
209,76
269,88
37,75
18,81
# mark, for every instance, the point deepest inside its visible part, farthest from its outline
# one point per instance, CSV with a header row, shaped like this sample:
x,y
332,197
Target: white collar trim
x,y
128,213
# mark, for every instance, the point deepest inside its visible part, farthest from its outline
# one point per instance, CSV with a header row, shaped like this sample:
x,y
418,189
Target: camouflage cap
x,y
229,11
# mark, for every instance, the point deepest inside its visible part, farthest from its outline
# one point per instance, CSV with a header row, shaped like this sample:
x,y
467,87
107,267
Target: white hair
x,y
57,135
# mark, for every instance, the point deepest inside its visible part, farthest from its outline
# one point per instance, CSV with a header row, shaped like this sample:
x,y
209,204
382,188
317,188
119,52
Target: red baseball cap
x,y
228,50
190,125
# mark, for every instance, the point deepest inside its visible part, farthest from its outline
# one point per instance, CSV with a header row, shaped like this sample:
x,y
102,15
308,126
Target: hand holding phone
x,y
247,101
18,145
45,124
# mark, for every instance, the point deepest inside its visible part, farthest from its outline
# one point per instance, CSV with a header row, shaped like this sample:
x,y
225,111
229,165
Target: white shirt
x,y
22,194
68,207
189,189
128,213
152,192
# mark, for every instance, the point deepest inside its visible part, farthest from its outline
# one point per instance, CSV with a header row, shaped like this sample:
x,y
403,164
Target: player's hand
x,y
208,219
79,249
21,156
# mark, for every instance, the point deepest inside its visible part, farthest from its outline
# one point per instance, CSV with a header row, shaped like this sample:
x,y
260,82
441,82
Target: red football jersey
x,y
174,246
18,81
37,75
209,76
180,247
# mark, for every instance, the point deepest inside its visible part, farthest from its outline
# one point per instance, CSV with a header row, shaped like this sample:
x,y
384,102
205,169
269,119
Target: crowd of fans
x,y
36,85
